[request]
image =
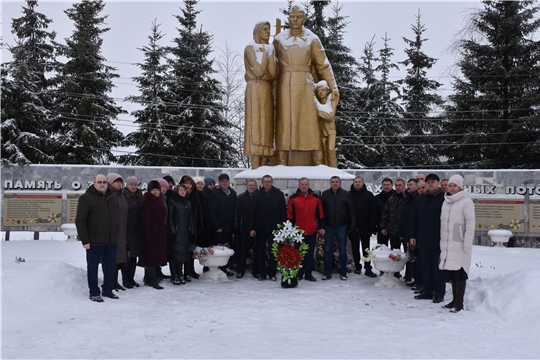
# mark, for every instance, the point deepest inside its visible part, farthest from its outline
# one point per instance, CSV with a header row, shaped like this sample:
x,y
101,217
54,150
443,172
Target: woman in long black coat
x,y
153,218
200,220
181,228
134,198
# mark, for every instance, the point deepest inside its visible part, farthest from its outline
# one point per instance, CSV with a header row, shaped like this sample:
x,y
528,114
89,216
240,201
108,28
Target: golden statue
x,y
301,62
326,108
261,71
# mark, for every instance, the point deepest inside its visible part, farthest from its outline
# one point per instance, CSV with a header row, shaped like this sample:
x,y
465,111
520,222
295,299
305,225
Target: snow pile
x,y
510,296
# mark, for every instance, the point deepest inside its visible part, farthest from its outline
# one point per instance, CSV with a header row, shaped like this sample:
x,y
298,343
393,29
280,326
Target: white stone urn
x,y
498,237
70,230
213,257
383,261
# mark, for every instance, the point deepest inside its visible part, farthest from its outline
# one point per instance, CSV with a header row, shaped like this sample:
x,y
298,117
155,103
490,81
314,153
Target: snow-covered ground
x,y
46,313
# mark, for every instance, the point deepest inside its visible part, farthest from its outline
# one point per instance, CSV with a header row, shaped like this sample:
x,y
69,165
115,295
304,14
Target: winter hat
x,y
169,179
223,177
456,179
154,184
112,177
432,177
132,180
163,182
208,180
198,179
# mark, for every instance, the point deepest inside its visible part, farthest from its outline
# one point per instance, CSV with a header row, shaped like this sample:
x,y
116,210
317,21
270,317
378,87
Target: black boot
x,y
450,305
146,278
116,284
182,274
124,268
460,294
152,279
368,272
132,267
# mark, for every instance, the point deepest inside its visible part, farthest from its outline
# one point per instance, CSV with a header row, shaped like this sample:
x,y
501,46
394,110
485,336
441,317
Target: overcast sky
x,y
233,22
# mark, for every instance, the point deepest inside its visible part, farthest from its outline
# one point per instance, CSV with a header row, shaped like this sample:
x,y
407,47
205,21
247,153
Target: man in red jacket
x,y
305,210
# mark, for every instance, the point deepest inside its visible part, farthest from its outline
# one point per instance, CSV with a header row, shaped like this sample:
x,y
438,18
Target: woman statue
x,y
457,234
261,71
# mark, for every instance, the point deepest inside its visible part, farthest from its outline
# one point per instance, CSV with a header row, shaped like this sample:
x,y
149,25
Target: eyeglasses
x,y
101,182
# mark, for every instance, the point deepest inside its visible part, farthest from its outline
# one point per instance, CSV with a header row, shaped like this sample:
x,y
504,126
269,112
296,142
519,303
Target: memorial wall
x,y
43,197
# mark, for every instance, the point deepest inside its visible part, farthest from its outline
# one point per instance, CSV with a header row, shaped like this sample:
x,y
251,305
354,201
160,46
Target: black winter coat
x,y
365,209
426,220
196,198
205,238
222,210
391,218
243,218
97,218
181,228
404,229
338,208
269,210
382,198
121,250
134,231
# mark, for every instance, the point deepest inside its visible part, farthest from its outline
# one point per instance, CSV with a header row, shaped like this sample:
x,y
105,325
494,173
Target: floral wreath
x,y
288,256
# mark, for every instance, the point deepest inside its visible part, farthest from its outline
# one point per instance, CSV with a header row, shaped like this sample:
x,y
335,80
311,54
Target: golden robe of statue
x,y
300,57
261,71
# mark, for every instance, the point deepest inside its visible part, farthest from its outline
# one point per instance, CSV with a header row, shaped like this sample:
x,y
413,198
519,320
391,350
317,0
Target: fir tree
x,y
344,66
367,105
419,98
25,91
84,110
379,111
494,110
152,136
194,97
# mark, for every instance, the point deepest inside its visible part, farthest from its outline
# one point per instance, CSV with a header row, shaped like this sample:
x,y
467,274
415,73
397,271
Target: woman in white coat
x,y
457,234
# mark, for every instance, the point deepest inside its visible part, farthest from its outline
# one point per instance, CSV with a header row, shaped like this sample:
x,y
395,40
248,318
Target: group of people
x,y
434,221
123,228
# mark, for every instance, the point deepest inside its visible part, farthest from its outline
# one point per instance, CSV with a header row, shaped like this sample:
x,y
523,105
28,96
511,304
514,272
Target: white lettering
x,y
18,184
40,185
57,185
75,185
510,190
8,184
29,184
521,190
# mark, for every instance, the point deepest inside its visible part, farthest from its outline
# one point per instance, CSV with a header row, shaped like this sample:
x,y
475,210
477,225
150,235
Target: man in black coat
x,y
97,228
382,198
425,230
405,234
365,208
222,210
269,210
243,220
340,219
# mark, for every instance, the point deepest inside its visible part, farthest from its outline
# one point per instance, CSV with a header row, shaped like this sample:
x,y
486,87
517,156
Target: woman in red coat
x,y
154,232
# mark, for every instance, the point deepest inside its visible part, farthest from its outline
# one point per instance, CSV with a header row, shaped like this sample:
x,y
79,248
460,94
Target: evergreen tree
x,y
368,102
25,94
153,135
344,66
494,110
419,98
84,110
194,97
380,111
